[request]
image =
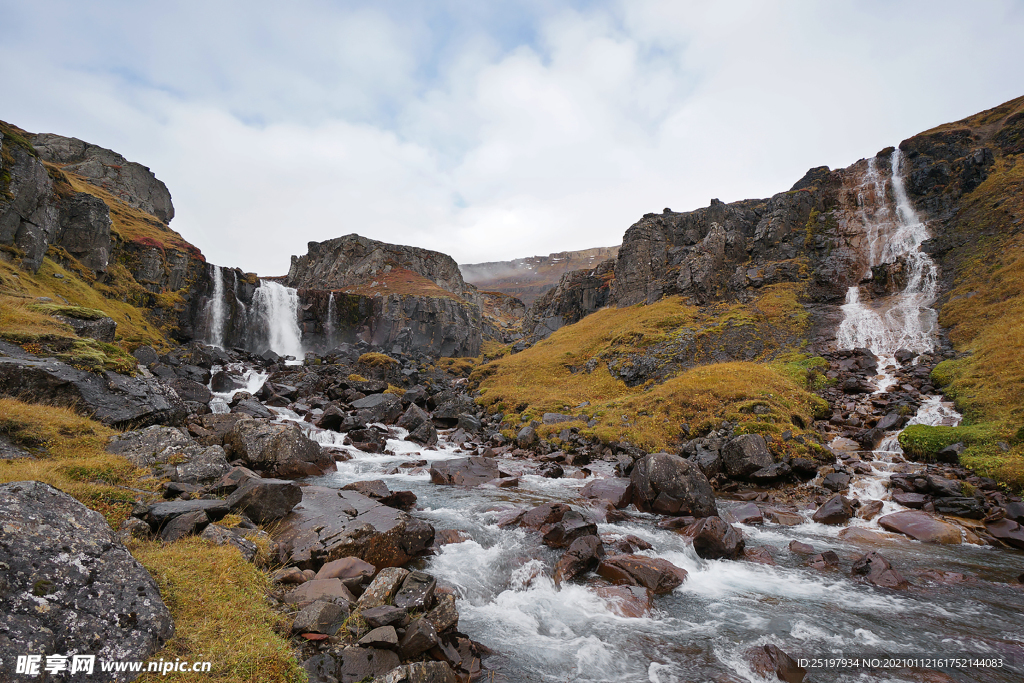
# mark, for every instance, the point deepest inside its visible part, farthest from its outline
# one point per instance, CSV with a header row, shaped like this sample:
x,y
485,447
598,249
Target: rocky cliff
x,y
529,278
100,218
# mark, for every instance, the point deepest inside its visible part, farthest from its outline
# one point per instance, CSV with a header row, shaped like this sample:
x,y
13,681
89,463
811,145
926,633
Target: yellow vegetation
x,y
220,613
374,359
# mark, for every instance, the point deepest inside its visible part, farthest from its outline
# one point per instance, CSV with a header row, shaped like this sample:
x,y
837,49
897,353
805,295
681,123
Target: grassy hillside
x,y
569,373
984,312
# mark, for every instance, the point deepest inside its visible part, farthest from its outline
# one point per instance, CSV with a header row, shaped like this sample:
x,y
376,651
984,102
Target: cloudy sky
x,y
489,130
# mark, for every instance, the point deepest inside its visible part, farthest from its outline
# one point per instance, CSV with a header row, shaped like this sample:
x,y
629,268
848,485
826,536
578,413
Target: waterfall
x,y
893,235
215,310
329,326
276,310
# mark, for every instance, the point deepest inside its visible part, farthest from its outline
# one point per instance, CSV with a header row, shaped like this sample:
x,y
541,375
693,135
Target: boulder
x,y
413,417
1007,531
714,538
115,400
383,588
836,482
328,590
184,525
383,637
321,616
276,449
210,430
190,390
419,672
783,517
527,437
769,661
419,637
219,535
657,575
384,615
346,568
329,524
231,480
760,555
425,435
855,534
670,485
359,664
631,602
161,513
870,509
746,454
471,471
915,501
921,526
570,527
372,488
68,585
384,408
265,500
582,556
748,513
616,490
445,615
417,592
876,569
543,515
835,510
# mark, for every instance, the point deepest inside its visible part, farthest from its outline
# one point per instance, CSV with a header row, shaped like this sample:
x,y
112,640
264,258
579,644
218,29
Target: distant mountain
x,y
528,278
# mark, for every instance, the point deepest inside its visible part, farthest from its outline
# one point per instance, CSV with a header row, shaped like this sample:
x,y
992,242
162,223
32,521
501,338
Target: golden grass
x,y
217,600
985,315
374,359
399,281
69,455
542,379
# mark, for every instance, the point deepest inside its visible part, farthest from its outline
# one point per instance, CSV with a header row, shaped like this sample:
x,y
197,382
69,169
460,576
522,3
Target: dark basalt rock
x,y
617,491
471,471
276,449
265,500
714,538
69,586
745,455
670,485
115,400
835,510
877,570
657,575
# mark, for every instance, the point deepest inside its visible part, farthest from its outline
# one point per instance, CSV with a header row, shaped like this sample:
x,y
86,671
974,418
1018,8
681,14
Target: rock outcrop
x,y
68,586
577,294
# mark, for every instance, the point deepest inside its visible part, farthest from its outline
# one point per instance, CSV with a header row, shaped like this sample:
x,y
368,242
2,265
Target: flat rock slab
x,y
616,490
330,524
158,515
464,471
921,526
657,575
68,585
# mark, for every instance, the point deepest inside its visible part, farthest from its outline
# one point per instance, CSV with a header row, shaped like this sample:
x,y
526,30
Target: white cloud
x,y
489,133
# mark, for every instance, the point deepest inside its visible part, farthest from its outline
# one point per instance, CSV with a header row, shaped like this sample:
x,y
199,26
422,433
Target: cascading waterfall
x,y
215,310
330,325
276,310
893,235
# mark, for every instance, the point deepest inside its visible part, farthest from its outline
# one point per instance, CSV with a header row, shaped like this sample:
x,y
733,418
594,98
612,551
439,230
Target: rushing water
x,y
215,310
275,312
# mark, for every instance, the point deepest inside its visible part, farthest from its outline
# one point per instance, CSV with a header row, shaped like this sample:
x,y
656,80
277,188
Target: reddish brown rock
x,y
876,569
657,575
631,602
769,659
759,554
835,510
1007,531
714,538
617,491
921,526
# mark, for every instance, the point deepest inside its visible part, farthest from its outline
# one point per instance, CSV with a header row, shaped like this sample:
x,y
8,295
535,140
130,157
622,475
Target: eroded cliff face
x,y
530,278
99,215
577,294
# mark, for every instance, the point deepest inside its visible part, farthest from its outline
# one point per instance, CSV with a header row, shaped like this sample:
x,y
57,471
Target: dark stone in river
x,y
670,485
657,575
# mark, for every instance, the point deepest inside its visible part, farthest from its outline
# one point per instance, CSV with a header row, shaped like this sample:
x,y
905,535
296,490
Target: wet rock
x,y
572,526
760,554
1007,531
231,480
419,637
746,454
856,534
551,470
825,560
383,587
329,524
921,526
115,400
542,515
670,485
632,602
870,509
190,390
471,471
617,491
320,617
265,500
769,659
413,417
419,672
277,449
968,508
252,408
68,585
385,408
876,569
747,513
375,488
219,535
714,538
801,548
784,518
582,556
836,481
915,501
657,575
425,435
417,592
942,487
835,510
360,664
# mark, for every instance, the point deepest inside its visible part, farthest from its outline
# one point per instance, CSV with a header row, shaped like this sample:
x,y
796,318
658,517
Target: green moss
x,y
925,441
